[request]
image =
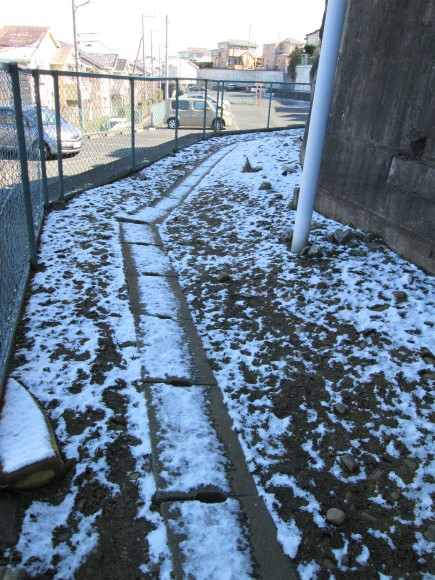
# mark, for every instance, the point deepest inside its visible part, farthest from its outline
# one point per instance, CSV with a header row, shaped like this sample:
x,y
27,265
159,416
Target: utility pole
x,y
152,57
249,47
166,57
143,48
75,7
143,41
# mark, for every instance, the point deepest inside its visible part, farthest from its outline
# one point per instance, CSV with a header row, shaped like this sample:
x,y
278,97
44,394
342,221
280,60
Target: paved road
x,y
108,157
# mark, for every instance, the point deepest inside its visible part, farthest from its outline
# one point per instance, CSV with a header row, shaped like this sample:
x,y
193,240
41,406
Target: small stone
x,y
429,533
10,573
400,295
395,495
379,307
286,236
58,205
349,463
314,251
328,564
368,517
223,277
336,516
134,476
343,236
426,352
410,464
345,560
265,185
376,474
340,408
304,251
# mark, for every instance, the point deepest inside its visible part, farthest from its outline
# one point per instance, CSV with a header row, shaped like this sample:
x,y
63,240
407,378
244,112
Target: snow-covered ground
x,y
266,318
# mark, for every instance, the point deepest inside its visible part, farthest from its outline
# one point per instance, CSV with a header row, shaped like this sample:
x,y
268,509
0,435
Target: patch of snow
x,y
213,540
20,447
188,446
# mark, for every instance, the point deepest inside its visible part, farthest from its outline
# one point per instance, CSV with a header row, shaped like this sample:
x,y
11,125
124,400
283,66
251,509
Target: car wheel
x,y
218,125
172,123
47,153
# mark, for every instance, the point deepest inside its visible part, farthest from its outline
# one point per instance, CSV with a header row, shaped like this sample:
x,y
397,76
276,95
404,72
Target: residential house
x,y
235,54
195,54
29,47
89,98
313,38
276,56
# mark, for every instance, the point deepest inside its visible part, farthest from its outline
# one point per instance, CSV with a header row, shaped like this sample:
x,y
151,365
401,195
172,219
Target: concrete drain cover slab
x,y
208,537
189,457
136,233
150,260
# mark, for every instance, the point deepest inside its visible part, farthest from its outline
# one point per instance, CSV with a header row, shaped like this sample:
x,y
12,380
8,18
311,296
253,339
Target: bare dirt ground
x,y
379,533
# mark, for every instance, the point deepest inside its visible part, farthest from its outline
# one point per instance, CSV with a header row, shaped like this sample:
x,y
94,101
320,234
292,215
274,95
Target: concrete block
x,y
29,456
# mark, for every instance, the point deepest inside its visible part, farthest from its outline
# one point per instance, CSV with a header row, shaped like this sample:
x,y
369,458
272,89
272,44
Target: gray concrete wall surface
x,y
223,74
259,76
378,166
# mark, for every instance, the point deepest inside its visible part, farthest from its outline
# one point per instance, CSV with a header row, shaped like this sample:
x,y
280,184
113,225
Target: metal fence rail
x,y
64,132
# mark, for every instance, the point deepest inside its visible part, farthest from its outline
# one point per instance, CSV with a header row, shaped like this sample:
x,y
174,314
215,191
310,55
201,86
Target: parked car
x,y
71,138
191,113
196,88
226,103
120,124
251,89
231,87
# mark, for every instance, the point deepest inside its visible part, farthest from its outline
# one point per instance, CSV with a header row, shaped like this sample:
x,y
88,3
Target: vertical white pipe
x,y
334,19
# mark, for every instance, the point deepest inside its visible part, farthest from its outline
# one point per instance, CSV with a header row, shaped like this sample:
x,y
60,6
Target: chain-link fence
x,y
21,201
64,132
128,122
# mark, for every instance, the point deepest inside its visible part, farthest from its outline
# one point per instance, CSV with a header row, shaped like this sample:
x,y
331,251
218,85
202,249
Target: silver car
x,y
71,138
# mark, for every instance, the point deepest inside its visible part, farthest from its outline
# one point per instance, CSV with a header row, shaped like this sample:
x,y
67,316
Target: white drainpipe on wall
x,y
334,20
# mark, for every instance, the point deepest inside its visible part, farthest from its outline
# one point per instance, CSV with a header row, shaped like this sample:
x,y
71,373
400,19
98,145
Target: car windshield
x,y
48,117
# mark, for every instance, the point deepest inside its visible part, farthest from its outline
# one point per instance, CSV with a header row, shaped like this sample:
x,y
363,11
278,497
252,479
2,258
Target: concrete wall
x,y
254,76
378,168
258,76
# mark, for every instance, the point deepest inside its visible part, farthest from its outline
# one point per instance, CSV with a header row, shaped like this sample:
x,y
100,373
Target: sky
x,y
119,27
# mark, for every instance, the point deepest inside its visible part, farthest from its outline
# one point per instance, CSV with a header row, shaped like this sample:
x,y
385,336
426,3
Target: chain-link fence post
x,y
42,152
58,134
176,115
23,153
270,106
204,120
132,123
